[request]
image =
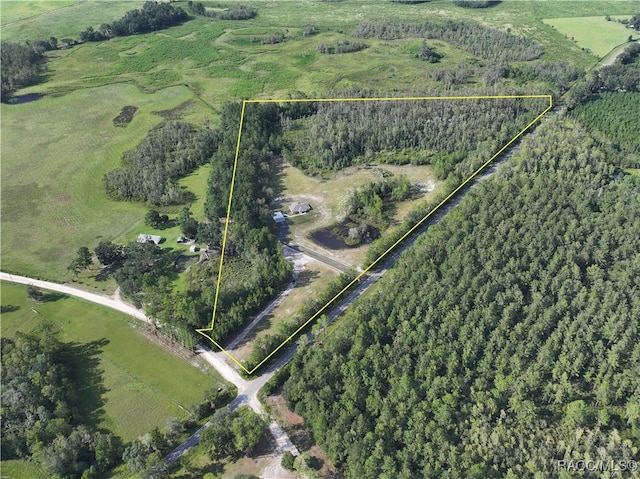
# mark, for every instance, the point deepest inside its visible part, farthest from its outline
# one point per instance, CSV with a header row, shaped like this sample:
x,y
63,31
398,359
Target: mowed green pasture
x,y
12,11
143,384
43,19
596,34
55,152
22,469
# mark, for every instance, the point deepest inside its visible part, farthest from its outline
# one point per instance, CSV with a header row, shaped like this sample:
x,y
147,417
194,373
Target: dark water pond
x,y
16,100
333,237
325,237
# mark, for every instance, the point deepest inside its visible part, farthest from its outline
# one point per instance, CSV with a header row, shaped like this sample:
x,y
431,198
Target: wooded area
x,y
45,408
150,171
480,41
504,340
442,133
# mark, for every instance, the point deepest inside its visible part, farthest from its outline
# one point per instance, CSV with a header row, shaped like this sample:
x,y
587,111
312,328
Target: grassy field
x,y
55,152
593,33
17,469
143,384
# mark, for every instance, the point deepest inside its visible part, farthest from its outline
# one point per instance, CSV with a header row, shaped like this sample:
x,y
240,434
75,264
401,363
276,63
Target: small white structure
x,y
279,218
193,248
145,238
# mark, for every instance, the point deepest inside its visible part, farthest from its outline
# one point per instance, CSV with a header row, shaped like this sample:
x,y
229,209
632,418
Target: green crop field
x,y
143,384
593,33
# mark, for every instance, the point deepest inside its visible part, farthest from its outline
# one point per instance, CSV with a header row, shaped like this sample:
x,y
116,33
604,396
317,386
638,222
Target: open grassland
x,y
61,19
142,384
55,152
592,33
312,280
13,11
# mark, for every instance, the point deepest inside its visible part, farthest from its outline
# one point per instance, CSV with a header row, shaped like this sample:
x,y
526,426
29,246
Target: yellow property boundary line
x,y
204,331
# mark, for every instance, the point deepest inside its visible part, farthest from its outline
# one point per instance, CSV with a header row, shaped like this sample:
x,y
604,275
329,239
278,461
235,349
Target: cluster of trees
x,y
480,41
42,411
366,204
135,266
503,341
22,65
150,171
151,17
428,54
235,12
341,46
233,433
615,117
342,133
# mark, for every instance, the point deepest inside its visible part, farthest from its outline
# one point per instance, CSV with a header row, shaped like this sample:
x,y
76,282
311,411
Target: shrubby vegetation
x,y
150,171
235,12
22,65
43,414
481,41
341,46
151,17
504,340
366,204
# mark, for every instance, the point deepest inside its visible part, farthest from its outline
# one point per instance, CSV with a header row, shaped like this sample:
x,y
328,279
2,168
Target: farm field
x,y
142,383
55,152
593,33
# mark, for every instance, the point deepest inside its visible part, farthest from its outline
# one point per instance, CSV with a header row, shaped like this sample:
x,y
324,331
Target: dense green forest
x,y
483,42
504,340
615,117
150,171
43,412
443,133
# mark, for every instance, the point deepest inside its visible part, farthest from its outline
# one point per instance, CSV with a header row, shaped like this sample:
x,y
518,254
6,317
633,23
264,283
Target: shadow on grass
x,y
8,308
84,362
52,297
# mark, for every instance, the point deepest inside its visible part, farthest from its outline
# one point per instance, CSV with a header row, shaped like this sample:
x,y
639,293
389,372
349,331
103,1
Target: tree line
x,y
151,17
503,341
478,40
